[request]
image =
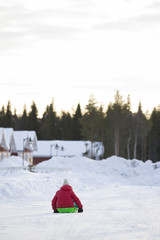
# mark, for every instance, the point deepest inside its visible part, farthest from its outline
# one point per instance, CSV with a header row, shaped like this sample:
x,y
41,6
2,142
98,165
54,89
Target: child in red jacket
x,y
65,200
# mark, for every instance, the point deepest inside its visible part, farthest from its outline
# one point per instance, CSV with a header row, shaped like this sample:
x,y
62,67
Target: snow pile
x,y
83,174
113,169
11,162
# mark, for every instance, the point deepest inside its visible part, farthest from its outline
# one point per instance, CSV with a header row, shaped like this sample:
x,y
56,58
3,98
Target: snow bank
x,y
113,168
12,161
83,174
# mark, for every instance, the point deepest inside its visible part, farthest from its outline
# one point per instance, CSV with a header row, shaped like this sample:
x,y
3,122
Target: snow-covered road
x,y
112,210
114,213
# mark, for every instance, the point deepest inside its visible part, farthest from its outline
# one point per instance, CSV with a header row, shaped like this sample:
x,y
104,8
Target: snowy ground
x,y
120,198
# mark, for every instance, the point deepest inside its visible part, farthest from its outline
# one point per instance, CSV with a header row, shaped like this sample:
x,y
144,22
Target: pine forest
x,y
123,133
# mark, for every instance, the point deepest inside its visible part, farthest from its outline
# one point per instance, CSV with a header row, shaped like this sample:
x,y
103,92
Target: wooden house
x,y
25,144
6,140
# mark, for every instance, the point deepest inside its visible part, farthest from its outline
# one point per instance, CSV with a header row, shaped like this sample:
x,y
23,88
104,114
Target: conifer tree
x,y
127,134
114,121
118,127
93,123
140,134
33,122
66,126
77,128
8,116
2,117
88,120
24,119
154,136
49,123
15,120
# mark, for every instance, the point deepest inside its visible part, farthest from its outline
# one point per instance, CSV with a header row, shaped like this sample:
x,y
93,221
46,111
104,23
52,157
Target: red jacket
x,y
65,198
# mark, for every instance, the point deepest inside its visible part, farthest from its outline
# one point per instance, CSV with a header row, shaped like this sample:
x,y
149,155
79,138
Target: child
x,y
65,200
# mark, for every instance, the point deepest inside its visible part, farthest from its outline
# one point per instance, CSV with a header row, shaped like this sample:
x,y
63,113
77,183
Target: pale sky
x,y
67,50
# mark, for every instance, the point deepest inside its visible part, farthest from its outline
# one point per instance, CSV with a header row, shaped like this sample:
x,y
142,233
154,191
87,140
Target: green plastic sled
x,y
68,210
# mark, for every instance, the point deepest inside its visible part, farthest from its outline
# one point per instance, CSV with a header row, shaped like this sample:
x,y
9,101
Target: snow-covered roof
x,y
66,148
21,139
5,137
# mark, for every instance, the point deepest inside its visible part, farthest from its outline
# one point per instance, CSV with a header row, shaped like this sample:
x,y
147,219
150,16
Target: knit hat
x,y
65,182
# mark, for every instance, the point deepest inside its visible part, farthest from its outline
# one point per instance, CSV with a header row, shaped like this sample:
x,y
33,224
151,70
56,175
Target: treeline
x,y
123,133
